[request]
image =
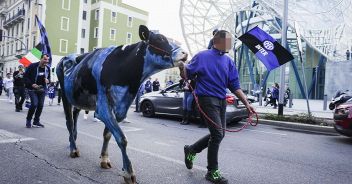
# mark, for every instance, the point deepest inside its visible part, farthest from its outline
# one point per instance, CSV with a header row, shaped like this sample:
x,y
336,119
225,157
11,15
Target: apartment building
x,y
73,26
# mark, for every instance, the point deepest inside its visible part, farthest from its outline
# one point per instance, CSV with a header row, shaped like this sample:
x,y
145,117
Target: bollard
x,y
325,102
290,101
260,99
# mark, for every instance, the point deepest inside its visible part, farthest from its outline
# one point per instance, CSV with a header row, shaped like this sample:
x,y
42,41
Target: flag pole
x,y
300,50
282,68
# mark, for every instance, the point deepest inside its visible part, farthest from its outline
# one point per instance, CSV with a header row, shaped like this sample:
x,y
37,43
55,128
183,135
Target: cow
x,y
106,81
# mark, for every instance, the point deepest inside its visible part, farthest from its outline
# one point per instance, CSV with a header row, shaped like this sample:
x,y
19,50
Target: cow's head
x,y
160,53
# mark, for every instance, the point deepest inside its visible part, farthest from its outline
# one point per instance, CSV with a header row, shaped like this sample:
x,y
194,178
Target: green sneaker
x,y
189,157
214,176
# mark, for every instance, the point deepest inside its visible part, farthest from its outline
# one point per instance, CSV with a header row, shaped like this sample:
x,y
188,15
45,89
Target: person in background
x,y
156,85
348,55
187,87
58,89
148,85
8,85
169,82
275,94
37,76
19,88
51,93
1,85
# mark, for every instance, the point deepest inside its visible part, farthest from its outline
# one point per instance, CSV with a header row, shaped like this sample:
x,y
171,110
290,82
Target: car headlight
x,y
343,111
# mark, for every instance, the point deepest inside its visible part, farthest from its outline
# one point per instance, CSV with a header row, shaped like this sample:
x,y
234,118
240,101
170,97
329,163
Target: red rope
x,y
249,120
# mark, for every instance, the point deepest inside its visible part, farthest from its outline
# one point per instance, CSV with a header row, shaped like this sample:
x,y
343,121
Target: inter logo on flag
x,y
266,48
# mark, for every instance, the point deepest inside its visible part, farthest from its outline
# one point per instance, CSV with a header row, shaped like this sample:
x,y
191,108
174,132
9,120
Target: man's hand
x,y
239,93
46,81
250,109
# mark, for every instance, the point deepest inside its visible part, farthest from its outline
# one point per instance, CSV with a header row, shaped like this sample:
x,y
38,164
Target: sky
x,y
163,16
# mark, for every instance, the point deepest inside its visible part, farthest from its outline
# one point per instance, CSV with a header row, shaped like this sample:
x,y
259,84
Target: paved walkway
x,y
299,106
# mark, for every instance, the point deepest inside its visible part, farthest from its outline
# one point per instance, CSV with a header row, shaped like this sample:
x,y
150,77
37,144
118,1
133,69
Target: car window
x,y
173,89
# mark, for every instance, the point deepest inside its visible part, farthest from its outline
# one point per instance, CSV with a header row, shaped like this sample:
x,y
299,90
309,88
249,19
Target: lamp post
x,y
282,68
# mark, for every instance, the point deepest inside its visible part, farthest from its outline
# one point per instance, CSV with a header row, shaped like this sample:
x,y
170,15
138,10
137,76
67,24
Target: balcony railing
x,y
3,10
18,17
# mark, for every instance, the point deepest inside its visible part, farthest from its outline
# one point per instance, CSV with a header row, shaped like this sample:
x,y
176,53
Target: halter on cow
x,y
107,80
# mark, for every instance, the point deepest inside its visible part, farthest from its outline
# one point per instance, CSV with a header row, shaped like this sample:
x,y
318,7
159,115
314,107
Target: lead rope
x,y
249,120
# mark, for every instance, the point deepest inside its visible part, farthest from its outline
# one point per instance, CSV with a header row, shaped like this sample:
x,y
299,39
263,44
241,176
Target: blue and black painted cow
x,y
106,81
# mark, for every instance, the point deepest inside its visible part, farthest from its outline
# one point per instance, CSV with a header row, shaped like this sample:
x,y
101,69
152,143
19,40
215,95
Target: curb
x,y
317,128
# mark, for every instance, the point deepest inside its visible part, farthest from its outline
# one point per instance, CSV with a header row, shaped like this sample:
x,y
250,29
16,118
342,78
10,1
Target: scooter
x,y
342,103
268,100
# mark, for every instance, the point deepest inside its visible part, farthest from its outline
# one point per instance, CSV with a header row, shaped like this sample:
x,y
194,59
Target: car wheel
x,y
147,109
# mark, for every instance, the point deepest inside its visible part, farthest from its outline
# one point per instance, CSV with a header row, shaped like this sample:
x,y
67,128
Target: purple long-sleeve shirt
x,y
214,72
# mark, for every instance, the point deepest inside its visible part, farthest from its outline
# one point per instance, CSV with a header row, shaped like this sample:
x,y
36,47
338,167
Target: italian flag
x,y
32,57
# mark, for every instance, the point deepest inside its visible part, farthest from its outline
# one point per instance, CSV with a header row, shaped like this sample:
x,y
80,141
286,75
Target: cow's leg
x,y
75,117
105,161
105,114
70,126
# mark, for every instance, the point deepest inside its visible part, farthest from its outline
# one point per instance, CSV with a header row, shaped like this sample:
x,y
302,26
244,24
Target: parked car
x,y
342,103
169,101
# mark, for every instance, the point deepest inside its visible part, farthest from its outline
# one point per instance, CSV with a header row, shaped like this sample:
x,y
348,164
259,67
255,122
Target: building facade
x,y
73,26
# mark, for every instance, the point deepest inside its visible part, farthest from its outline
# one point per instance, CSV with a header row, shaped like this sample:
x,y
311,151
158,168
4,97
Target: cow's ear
x,y
143,32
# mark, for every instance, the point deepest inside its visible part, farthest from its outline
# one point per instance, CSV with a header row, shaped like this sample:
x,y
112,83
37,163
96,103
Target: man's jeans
x,y
215,109
20,96
187,101
37,102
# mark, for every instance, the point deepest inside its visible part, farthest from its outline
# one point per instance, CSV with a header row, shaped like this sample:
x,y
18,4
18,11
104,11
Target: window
x,y
112,34
129,21
113,17
84,15
129,38
114,2
28,22
22,25
66,4
63,45
96,32
85,1
96,14
34,42
82,50
83,33
65,23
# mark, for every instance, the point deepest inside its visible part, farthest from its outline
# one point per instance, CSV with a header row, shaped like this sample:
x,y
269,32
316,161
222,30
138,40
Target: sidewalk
x,y
299,106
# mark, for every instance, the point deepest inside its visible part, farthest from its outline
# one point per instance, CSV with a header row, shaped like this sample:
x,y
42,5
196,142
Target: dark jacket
x,y
31,74
18,80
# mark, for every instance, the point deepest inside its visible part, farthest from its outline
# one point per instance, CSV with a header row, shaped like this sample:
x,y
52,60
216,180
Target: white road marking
x,y
180,162
163,143
16,140
9,137
266,132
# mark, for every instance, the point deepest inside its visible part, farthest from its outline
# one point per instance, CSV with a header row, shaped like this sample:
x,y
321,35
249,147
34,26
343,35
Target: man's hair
x,y
41,57
220,34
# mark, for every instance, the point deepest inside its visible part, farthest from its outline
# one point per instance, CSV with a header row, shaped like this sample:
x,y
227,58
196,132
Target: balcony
x,y
3,11
18,17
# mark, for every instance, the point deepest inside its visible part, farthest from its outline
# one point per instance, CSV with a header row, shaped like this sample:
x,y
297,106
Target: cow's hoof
x,y
130,180
105,165
75,154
